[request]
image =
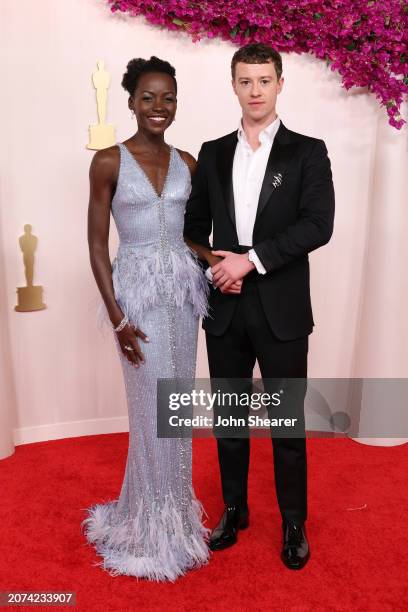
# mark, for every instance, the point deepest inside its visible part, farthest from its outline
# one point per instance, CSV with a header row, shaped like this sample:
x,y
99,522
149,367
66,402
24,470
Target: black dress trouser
x,y
233,355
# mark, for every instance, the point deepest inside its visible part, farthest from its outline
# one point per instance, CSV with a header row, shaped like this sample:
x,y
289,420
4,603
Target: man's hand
x,y
235,288
230,270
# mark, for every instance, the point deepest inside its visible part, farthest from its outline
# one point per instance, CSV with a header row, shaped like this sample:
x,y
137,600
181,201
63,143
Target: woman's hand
x,y
234,288
128,337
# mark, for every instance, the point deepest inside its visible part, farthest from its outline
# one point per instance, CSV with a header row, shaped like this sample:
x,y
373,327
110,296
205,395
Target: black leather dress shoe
x,y
225,533
295,552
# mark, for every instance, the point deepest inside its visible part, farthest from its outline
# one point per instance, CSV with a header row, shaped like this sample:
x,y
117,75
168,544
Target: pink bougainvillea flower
x,y
366,41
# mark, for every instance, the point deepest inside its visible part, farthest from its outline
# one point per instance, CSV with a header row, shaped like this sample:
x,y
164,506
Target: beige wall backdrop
x,y
60,376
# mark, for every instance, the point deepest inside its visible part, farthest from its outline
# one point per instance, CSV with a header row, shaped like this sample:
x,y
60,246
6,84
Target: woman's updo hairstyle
x,y
138,66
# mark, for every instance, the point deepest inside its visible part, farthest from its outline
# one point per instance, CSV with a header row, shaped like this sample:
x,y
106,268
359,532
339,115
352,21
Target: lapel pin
x,y
277,180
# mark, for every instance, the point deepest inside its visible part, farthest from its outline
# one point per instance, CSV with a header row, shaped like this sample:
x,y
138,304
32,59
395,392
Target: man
x,y
266,193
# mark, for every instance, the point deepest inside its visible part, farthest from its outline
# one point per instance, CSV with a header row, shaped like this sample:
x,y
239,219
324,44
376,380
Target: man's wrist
x,y
253,257
250,262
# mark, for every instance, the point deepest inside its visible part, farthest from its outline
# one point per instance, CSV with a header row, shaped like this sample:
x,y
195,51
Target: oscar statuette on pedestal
x,y
101,135
30,296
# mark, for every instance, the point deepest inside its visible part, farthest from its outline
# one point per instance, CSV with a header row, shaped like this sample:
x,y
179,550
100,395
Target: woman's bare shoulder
x,y
189,159
106,161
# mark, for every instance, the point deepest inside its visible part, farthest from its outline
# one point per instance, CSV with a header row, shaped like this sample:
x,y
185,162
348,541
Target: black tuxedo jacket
x,y
295,216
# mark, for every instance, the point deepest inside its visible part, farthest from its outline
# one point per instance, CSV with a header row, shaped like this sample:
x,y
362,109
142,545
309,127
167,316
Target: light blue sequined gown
x,y
154,529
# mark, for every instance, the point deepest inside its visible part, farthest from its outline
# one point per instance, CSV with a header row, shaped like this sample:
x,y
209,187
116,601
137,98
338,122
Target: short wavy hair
x,y
257,53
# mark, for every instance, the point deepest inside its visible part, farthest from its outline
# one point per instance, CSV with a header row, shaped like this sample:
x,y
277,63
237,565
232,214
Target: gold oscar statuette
x,y
30,296
101,135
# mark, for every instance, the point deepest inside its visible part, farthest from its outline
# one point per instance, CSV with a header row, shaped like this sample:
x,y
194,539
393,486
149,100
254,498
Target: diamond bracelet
x,y
122,324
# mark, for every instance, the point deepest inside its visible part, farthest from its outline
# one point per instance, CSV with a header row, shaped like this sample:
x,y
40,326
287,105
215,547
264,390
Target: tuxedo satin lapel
x,y
279,157
224,164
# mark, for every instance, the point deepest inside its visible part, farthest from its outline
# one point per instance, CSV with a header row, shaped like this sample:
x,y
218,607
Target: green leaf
x,y
317,16
351,46
246,33
234,32
178,22
405,80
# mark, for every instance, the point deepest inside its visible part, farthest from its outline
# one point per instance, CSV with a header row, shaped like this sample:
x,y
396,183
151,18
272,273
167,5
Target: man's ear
x,y
280,84
234,86
130,103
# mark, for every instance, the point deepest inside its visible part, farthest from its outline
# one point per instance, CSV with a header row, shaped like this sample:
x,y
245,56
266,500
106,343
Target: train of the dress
x,y
155,544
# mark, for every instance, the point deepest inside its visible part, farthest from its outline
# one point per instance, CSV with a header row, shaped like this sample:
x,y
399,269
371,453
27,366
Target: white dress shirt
x,y
247,177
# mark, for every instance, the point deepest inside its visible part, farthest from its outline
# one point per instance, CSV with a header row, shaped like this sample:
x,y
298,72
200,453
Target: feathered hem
x,y
155,544
141,282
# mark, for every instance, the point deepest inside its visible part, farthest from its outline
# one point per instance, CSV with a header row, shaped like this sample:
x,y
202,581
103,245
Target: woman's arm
x,y
103,176
203,252
102,179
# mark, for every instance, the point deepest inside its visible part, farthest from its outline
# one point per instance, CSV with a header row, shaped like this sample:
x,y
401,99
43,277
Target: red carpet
x,y
357,528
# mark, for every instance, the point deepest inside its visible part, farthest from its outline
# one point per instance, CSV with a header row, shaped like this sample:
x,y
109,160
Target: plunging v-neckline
x,y
139,166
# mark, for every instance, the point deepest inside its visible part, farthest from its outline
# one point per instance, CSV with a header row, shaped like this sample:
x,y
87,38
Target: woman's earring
x,y
132,113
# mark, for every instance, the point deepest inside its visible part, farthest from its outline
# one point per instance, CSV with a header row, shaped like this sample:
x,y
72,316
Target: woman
x,y
154,293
